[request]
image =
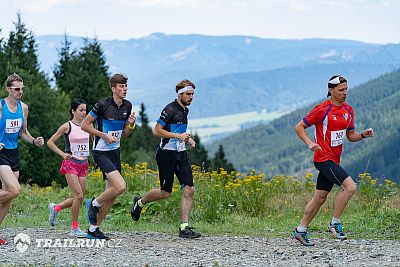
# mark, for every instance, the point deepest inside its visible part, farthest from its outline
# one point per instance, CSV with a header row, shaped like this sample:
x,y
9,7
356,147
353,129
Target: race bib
x,y
81,150
180,145
337,137
13,126
116,134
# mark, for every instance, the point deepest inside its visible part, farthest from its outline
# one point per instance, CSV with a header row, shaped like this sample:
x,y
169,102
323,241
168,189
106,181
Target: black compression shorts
x,y
330,173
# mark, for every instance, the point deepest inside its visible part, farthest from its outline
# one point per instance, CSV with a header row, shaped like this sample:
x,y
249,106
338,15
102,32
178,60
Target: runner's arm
x,y
354,136
302,134
51,142
24,133
158,131
87,126
129,126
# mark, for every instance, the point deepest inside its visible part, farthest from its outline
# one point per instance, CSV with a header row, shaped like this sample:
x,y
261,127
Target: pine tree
x,y
141,145
83,73
219,161
199,155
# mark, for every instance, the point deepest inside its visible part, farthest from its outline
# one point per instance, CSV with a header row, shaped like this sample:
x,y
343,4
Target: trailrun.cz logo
x,y
22,242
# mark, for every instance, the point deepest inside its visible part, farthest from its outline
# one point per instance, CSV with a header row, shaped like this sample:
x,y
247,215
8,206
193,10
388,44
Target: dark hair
x,y
118,78
183,84
75,103
332,85
12,78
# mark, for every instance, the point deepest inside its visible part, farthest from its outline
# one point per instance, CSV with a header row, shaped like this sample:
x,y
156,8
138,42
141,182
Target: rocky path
x,y
55,248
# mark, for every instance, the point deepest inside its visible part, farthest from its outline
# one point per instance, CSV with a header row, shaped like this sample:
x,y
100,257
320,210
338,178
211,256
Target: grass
x,y
224,204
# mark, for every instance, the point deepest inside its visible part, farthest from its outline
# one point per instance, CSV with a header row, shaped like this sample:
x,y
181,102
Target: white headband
x,y
336,80
187,88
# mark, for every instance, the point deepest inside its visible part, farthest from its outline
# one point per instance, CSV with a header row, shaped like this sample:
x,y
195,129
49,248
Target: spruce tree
x,y
84,73
199,155
219,161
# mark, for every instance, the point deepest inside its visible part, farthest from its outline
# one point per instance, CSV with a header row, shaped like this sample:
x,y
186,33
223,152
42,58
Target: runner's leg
x,y
313,206
343,197
187,200
115,186
11,189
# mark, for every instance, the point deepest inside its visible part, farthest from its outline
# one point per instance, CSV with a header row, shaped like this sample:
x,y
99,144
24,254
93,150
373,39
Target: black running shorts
x,y
171,162
10,157
330,173
107,161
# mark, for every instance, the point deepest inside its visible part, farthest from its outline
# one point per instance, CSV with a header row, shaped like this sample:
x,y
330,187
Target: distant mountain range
x,y
233,74
276,149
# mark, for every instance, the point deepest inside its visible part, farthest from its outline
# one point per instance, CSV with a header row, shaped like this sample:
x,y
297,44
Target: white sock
x,y
93,228
301,228
335,220
95,203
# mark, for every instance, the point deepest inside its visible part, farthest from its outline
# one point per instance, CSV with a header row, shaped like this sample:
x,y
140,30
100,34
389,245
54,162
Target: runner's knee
x,y
79,197
15,190
120,189
320,199
350,186
189,191
165,194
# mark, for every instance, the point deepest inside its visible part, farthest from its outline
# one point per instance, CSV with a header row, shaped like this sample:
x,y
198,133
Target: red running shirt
x,y
331,124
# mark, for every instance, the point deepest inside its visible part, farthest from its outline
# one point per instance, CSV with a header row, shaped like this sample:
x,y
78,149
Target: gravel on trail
x,y
49,247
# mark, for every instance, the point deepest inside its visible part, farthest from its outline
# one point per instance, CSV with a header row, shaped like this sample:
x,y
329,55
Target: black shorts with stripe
x,y
108,161
172,162
330,173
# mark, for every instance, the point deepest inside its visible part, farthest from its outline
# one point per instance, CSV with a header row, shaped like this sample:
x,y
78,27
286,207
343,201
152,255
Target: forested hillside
x,y
275,148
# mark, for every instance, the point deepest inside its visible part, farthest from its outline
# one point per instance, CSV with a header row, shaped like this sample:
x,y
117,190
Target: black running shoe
x,y
97,234
92,213
135,211
188,233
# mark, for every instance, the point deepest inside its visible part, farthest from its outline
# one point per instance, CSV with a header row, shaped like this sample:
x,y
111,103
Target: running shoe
x,y
3,241
337,231
135,211
97,234
78,233
92,213
302,237
52,214
188,233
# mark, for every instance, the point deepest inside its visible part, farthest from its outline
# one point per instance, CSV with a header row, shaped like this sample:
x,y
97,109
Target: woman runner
x,y
74,165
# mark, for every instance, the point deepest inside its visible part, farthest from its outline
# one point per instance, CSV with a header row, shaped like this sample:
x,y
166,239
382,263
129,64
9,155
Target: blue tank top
x,y
10,125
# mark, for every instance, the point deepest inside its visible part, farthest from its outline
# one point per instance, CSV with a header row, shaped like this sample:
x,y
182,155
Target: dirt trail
x,y
155,249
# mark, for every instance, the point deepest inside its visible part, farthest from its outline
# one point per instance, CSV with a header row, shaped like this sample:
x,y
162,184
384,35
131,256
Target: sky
x,y
372,21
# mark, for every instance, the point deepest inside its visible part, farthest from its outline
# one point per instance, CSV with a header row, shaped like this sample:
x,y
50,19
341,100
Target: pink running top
x,y
77,142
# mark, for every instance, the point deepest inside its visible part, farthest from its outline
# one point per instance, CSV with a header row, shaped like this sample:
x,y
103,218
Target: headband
x,y
184,89
335,81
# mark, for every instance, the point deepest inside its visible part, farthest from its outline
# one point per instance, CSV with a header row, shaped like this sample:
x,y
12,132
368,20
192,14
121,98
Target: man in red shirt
x,y
333,120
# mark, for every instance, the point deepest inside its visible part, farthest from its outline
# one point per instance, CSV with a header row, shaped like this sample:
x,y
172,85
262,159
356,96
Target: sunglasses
x,y
17,89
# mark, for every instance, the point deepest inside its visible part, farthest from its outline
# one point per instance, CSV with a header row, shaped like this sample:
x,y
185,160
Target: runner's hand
x,y
369,132
192,143
67,156
1,146
314,147
110,139
132,119
184,137
38,141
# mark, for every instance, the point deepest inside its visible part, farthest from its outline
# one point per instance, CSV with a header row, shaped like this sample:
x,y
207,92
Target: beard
x,y
187,103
